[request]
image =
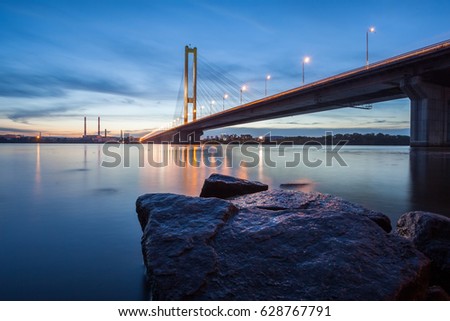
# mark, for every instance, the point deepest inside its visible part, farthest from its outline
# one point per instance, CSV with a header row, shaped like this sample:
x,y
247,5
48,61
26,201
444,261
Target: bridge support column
x,y
194,137
191,138
430,112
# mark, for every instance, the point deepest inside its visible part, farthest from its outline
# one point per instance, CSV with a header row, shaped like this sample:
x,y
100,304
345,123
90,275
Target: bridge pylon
x,y
187,98
430,112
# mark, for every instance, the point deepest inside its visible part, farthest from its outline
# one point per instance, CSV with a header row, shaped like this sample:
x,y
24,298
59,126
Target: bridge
x,y
422,75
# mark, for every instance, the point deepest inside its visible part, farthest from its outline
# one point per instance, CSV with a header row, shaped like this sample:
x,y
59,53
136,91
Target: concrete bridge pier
x,y
430,112
184,137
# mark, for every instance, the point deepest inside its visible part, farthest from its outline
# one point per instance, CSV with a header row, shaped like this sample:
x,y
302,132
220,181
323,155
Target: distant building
x,y
9,137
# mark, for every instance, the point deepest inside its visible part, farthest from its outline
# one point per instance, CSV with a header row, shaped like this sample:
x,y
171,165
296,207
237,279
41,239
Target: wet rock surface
x,y
430,234
282,199
277,245
176,243
223,186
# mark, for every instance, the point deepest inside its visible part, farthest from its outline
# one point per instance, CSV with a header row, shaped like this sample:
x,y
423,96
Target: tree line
x,y
351,139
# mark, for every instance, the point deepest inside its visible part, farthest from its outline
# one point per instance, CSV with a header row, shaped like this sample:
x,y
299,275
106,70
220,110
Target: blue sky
x,y
122,60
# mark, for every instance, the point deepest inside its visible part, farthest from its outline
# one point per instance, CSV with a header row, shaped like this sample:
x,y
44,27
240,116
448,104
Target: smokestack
x,y
85,126
98,126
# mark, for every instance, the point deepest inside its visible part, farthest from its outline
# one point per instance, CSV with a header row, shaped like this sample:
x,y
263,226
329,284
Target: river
x,y
68,227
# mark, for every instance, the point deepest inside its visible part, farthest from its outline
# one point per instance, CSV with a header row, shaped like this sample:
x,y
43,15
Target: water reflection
x,y
88,210
37,176
430,180
303,185
85,156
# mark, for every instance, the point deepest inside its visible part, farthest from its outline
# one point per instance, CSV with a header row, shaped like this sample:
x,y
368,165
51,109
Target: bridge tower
x,y
190,99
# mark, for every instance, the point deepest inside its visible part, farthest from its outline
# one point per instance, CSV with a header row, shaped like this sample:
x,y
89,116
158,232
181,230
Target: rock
x,y
210,249
176,243
282,199
430,233
223,186
436,293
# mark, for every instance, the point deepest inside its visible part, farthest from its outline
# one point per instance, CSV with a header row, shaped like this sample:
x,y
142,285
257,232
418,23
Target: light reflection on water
x,y
68,226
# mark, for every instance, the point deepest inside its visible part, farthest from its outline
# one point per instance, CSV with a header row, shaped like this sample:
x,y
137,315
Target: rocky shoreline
x,y
287,245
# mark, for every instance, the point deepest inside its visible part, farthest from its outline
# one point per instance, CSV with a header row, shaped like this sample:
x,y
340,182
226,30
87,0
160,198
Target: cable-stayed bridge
x,y
422,75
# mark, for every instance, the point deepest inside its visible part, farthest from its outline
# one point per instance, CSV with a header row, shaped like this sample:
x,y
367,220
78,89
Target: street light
x,y
212,103
243,88
223,101
370,30
265,89
305,61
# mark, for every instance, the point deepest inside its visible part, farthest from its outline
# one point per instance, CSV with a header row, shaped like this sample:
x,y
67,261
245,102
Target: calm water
x,y
68,227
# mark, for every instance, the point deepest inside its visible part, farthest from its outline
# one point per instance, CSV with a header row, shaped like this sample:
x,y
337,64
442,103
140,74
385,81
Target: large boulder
x,y
430,233
177,241
210,249
282,199
223,186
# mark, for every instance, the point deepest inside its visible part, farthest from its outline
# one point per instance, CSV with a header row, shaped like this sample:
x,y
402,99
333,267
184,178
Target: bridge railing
x,y
413,53
417,52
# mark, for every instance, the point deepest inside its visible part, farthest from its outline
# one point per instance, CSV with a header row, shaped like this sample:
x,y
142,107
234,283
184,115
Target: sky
x,y
123,60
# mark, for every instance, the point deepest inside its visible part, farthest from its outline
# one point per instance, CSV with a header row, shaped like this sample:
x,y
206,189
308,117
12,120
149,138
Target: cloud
x,y
28,86
22,115
16,130
128,101
301,123
101,85
386,122
226,13
32,85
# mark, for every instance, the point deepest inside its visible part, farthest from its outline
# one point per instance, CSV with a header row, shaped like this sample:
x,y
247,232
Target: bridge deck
x,y
380,81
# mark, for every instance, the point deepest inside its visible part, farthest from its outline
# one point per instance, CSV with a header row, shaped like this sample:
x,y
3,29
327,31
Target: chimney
x,y
98,126
84,125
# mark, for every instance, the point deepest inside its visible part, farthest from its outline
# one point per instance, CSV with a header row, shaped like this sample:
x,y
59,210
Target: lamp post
x,y
305,61
211,109
243,88
370,30
223,101
265,88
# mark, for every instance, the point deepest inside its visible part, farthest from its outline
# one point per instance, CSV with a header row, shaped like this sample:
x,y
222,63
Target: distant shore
x,y
348,139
